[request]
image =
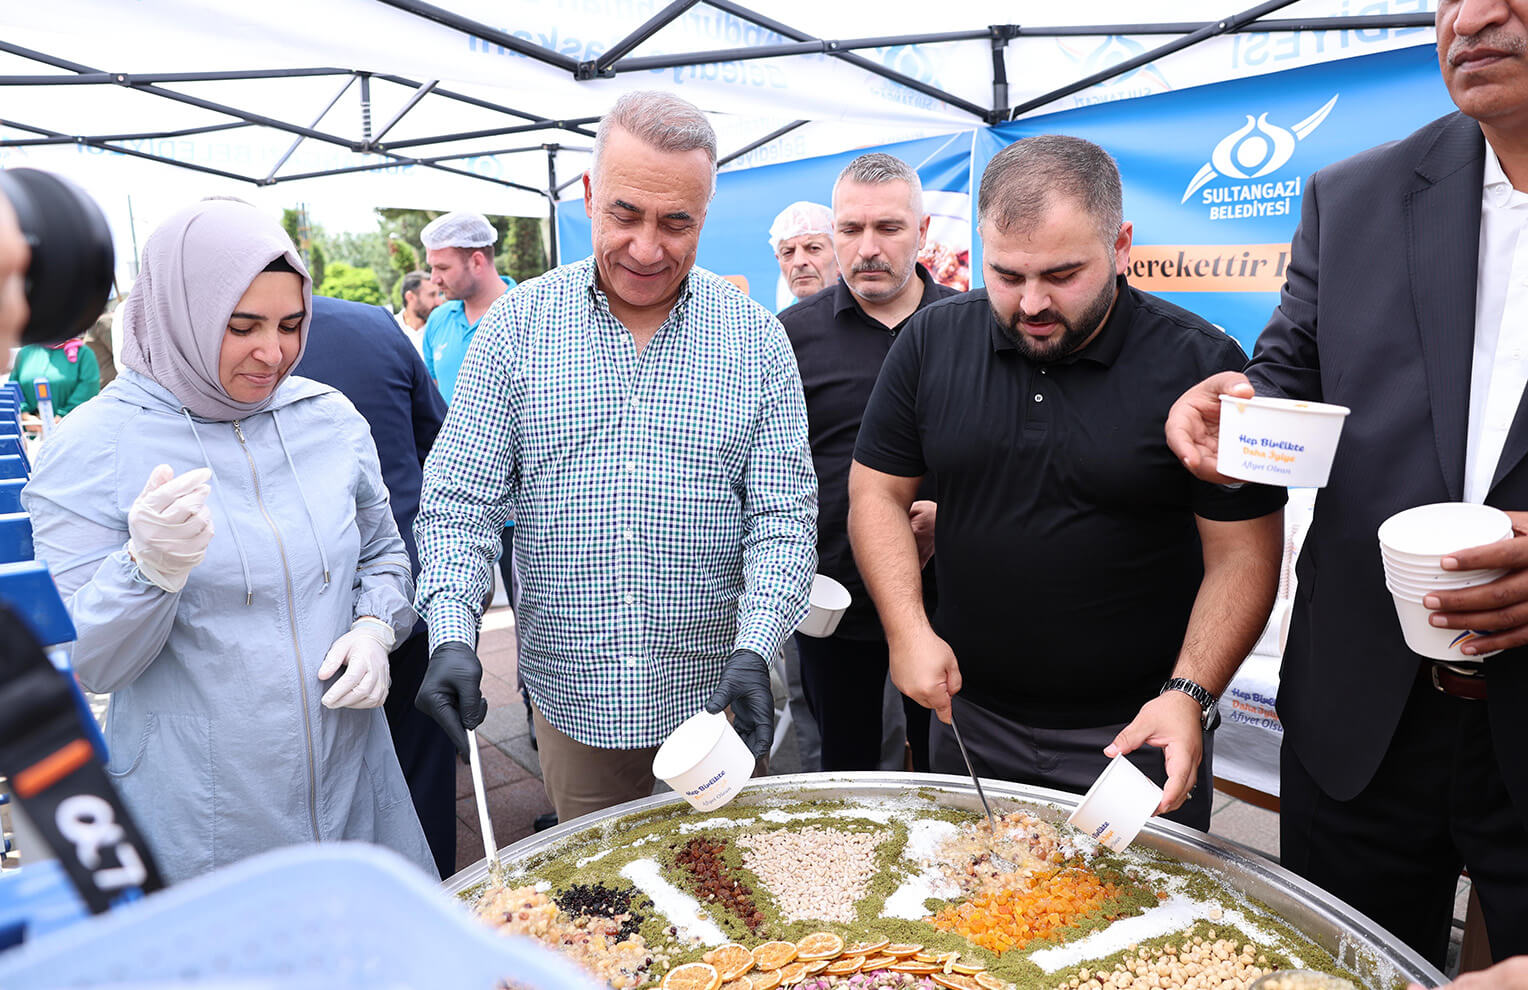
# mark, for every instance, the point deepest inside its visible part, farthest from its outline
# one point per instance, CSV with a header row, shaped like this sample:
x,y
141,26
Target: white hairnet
x,y
458,230
800,218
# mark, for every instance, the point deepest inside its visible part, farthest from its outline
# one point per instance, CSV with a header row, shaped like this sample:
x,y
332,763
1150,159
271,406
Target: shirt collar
x,y
844,299
590,278
1497,188
1102,349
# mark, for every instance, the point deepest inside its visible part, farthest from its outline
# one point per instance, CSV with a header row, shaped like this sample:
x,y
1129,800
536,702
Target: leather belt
x,y
1456,681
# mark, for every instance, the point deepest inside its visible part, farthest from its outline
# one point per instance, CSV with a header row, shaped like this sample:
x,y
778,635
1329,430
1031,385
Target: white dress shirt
x,y
416,337
1500,368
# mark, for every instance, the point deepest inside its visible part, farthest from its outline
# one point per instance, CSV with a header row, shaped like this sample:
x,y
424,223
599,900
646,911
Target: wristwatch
x,y
1209,710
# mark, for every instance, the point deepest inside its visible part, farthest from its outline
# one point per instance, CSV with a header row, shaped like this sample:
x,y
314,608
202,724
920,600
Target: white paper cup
x,y
1117,805
1426,533
1443,581
1429,640
705,760
829,601
1278,441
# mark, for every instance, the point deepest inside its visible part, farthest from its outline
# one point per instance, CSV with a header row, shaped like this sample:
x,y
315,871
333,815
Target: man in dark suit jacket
x,y
1398,771
361,351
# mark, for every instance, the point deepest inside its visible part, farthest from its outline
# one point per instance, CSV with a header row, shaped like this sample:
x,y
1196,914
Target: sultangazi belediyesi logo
x,y
1252,152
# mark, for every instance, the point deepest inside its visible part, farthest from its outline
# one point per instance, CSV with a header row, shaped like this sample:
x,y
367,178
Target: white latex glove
x,y
363,652
169,525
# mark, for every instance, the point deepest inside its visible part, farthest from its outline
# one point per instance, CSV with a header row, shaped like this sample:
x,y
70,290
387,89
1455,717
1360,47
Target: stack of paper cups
x,y
1412,545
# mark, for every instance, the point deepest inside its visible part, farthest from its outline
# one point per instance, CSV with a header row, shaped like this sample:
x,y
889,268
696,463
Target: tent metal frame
x,y
617,59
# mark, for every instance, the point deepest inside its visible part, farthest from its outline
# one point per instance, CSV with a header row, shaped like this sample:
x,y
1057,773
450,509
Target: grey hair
x,y
878,167
1021,181
412,281
661,120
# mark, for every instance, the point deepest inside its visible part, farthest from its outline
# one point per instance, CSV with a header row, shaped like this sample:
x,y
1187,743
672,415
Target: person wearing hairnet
x,y
459,250
802,239
230,562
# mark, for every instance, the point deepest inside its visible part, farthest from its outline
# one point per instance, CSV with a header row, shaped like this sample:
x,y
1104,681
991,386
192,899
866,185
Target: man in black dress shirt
x,y
841,336
1097,596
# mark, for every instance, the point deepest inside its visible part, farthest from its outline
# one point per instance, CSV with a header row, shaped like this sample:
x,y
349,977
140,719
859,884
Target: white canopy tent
x,y
490,105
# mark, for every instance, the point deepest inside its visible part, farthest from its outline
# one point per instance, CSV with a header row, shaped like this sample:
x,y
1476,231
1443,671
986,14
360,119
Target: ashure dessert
x,y
904,893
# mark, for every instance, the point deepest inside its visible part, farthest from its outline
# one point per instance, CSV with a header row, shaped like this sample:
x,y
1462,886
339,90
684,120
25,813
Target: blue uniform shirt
x,y
446,337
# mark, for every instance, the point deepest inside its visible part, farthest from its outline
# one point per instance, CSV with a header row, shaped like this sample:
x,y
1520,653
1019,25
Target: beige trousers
x,y
583,779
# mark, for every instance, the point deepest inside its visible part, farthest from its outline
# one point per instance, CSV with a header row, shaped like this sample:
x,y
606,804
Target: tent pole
x,y
477,29
271,175
656,23
761,142
1206,31
551,199
491,132
419,94
737,10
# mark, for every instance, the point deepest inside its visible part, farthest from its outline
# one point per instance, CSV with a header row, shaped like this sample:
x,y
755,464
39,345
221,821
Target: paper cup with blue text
x,y
1281,442
705,760
1116,807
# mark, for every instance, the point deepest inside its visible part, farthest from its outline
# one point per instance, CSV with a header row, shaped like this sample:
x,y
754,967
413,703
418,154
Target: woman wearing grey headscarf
x,y
222,536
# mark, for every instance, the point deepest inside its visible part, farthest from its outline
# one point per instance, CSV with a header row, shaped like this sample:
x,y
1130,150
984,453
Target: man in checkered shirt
x,y
645,421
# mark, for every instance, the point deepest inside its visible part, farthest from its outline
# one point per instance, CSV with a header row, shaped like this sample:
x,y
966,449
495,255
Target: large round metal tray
x,y
1357,943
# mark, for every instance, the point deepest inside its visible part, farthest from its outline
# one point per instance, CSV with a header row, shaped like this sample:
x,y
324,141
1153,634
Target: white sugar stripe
x,y
682,910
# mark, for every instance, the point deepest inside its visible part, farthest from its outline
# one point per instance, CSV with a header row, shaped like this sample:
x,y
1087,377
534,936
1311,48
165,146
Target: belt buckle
x,y
1434,666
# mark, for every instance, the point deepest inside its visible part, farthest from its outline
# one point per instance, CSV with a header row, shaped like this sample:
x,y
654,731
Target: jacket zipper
x,y
302,684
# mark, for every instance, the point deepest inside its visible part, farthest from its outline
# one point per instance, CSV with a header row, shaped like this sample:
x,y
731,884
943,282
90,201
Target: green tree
x,y
343,281
364,250
316,266
521,255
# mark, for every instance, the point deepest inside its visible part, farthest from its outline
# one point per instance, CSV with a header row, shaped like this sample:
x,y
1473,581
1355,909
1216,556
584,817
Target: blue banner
x,y
1214,175
1213,180
735,240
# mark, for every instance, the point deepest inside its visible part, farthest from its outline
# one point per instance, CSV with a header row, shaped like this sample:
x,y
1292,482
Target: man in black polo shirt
x,y
1096,595
841,336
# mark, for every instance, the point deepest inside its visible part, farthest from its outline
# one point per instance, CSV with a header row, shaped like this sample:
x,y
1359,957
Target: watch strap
x,y
1208,709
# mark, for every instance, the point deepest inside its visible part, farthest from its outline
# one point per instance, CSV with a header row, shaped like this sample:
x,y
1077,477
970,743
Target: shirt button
x,y
631,599
1042,371
630,534
631,467
1039,397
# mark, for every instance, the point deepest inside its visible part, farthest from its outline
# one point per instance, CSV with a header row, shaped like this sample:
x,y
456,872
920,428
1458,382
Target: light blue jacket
x,y
218,742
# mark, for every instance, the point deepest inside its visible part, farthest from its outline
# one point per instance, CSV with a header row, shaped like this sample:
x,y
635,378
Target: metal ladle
x,y
998,861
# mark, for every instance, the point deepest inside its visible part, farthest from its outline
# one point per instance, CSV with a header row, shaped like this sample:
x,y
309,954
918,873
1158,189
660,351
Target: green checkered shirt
x,y
665,503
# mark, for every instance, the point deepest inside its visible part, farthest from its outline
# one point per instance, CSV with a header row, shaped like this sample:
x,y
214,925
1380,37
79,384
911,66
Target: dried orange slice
x,y
766,981
794,973
819,945
902,950
692,976
873,963
731,960
915,968
956,981
845,966
928,957
967,969
741,983
989,982
817,966
773,955
866,948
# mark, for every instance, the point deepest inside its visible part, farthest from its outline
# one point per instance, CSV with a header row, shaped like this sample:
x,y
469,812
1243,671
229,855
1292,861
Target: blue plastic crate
x,y
335,916
15,538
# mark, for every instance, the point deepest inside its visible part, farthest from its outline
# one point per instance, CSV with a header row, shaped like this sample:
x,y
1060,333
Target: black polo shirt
x,y
1069,557
839,349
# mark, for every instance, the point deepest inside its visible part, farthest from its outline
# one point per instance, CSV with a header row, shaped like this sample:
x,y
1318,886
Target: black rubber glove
x,y
745,686
452,693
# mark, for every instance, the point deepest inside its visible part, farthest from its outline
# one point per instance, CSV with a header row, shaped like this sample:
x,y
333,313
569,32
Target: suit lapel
x,y
1443,249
